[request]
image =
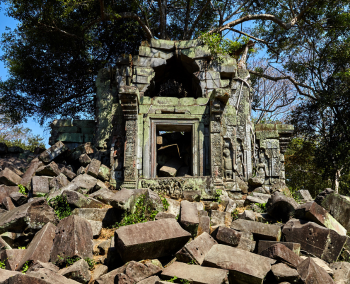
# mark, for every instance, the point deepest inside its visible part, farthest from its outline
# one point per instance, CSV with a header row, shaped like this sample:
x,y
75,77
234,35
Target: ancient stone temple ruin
x,y
177,118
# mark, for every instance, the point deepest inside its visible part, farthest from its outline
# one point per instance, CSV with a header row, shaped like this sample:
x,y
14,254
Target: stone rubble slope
x,y
62,222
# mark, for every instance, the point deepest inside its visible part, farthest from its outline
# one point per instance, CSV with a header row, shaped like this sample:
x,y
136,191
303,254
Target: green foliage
x,y
218,193
71,260
262,206
234,214
22,189
143,212
90,262
25,267
183,281
60,206
21,247
2,264
192,262
165,203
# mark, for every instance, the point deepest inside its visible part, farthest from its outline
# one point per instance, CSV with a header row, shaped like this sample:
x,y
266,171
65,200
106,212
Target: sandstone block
x,y
315,239
220,218
189,216
283,272
104,173
47,276
259,230
243,266
12,257
40,185
195,273
68,231
310,273
36,265
263,245
8,204
54,151
283,254
108,216
40,247
79,200
8,177
96,227
93,168
204,225
196,250
281,207
78,271
58,182
320,263
227,236
84,160
68,173
82,183
163,237
29,173
18,198
6,274
341,272
51,170
304,194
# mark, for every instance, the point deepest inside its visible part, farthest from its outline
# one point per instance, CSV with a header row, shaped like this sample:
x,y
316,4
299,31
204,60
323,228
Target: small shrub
x,y
165,203
262,207
25,267
60,206
70,260
90,262
22,189
218,193
234,214
2,264
21,247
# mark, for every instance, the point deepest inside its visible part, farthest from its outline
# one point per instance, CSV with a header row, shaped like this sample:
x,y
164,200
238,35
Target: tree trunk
x,y
336,181
162,20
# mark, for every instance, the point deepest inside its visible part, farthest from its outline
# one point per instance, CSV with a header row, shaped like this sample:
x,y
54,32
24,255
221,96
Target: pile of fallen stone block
x,y
265,238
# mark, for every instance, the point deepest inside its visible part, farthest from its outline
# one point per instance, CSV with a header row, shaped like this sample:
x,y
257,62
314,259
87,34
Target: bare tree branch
x,y
188,36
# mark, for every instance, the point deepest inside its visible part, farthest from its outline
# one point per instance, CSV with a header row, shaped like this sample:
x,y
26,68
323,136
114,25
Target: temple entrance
x,y
174,151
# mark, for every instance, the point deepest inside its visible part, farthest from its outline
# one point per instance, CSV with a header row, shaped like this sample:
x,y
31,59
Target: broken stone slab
x,y
247,215
6,274
84,160
8,177
149,280
341,272
163,215
220,218
79,200
243,266
4,245
189,216
68,231
40,247
53,152
281,207
28,217
256,182
78,271
83,183
304,194
311,211
246,244
227,236
47,276
18,198
311,273
263,245
96,227
36,265
174,207
58,182
104,173
8,204
93,168
99,271
260,231
68,173
193,195
108,216
195,273
315,239
282,254
51,170
339,207
204,225
40,186
284,273
170,168
154,200
196,250
163,237
30,172
12,257
321,263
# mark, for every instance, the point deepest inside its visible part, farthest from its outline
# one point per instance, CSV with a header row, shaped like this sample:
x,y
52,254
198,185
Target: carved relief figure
x,y
262,166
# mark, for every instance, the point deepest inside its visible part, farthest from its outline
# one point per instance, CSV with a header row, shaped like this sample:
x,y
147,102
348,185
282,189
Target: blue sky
x,y
11,23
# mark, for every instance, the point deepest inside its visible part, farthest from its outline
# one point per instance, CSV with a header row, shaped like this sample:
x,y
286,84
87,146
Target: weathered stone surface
x,y
54,151
154,200
193,195
40,247
59,182
170,168
93,168
311,273
29,173
263,245
197,249
315,239
84,160
18,198
36,265
283,254
4,245
8,177
281,207
30,216
78,271
12,257
8,204
244,267
322,195
6,274
79,200
256,182
220,218
197,274
40,185
227,236
204,225
149,280
246,244
339,207
104,173
47,276
163,215
68,173
247,215
283,272
68,231
96,227
320,263
163,237
189,216
313,212
341,272
51,170
108,216
82,183
99,271
260,231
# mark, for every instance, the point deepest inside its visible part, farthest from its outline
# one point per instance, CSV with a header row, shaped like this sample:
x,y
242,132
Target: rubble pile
x,y
62,222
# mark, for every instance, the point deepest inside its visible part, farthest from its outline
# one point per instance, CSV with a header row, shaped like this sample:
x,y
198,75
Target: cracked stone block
x,y
69,230
315,239
12,257
195,273
321,263
6,275
18,198
164,237
8,177
47,276
282,254
263,245
96,227
53,152
108,216
40,185
84,160
58,182
220,218
79,200
311,273
8,203
40,247
68,173
197,249
93,168
83,183
243,266
204,225
284,273
341,272
104,173
51,170
78,271
304,194
30,172
259,230
189,216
